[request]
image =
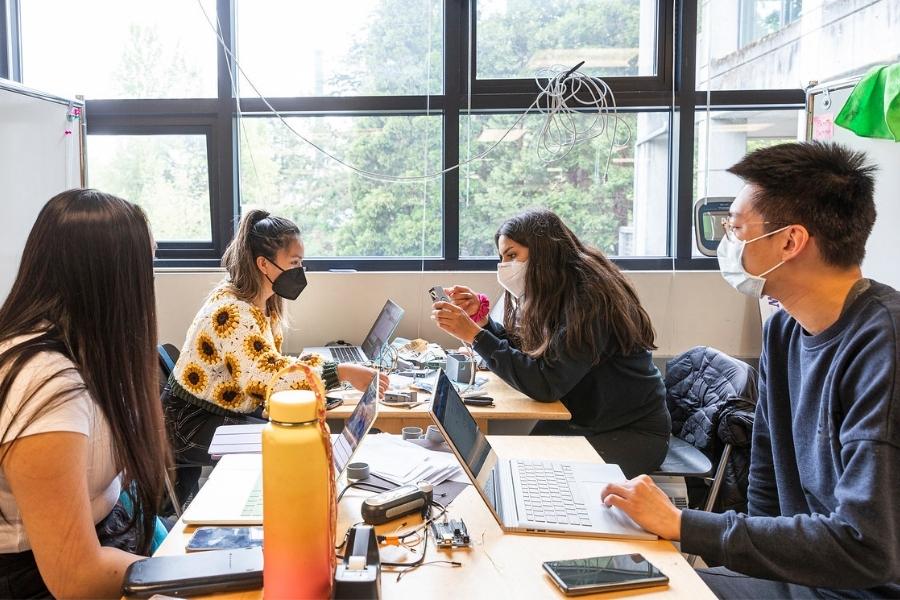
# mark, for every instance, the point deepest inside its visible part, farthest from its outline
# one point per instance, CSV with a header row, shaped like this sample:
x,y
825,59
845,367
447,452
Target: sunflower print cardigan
x,y
231,353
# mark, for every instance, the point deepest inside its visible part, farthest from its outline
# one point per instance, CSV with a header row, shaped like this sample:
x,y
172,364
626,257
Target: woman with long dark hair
x,y
232,350
573,330
80,418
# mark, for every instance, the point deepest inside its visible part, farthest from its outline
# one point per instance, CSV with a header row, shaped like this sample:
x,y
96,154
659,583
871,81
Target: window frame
x,y
673,88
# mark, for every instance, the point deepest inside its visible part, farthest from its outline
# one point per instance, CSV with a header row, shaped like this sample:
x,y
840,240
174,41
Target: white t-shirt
x,y
77,414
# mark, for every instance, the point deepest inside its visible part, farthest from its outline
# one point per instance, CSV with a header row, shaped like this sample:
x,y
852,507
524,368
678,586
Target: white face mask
x,y
730,253
511,276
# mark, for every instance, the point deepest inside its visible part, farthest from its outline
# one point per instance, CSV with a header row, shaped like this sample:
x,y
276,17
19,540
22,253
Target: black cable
x,y
369,487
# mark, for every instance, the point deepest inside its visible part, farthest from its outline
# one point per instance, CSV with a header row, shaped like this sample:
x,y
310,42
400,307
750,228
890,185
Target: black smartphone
x,y
604,573
478,401
332,402
195,574
225,538
438,294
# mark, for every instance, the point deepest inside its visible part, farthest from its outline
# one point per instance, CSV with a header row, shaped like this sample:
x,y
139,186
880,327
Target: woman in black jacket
x,y
573,330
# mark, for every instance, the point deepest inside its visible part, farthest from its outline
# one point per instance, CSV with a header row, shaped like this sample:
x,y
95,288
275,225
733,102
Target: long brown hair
x,y
571,289
258,234
85,290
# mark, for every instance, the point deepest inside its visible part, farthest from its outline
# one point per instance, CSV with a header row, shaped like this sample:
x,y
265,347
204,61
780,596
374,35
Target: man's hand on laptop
x,y
360,377
648,505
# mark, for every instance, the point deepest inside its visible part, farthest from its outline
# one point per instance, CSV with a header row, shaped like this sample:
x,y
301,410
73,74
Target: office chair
x,y
168,356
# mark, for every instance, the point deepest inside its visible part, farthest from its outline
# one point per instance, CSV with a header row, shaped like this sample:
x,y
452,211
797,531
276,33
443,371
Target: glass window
x,y
723,137
167,175
786,44
341,48
516,38
115,49
340,213
624,214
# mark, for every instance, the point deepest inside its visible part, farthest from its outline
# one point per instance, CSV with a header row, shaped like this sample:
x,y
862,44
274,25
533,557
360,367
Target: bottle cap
x,y
293,406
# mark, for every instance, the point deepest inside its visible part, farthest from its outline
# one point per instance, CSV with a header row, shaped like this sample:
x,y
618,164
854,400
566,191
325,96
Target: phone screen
x,y
604,572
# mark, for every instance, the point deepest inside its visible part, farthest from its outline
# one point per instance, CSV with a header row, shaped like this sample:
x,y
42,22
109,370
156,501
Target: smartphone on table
x,y
195,574
604,574
224,538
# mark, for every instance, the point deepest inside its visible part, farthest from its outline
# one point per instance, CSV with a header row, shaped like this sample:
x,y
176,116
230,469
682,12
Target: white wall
x,y
687,308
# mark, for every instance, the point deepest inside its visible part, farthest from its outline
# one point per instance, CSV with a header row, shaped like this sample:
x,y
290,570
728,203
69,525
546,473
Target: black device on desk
x,y
604,573
359,574
478,401
400,501
195,574
333,402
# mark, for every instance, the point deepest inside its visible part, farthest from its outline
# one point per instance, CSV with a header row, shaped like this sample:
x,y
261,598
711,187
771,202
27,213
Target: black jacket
x,y
712,397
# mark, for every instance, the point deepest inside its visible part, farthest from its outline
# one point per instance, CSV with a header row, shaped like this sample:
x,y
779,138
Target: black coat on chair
x,y
712,399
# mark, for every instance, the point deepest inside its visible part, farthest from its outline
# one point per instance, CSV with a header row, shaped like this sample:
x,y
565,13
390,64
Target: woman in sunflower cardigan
x,y
233,347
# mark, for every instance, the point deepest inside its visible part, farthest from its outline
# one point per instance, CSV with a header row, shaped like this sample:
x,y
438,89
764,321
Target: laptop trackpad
x,y
609,519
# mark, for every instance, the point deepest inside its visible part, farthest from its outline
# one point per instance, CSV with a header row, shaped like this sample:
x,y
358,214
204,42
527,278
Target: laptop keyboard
x,y
253,507
345,354
550,493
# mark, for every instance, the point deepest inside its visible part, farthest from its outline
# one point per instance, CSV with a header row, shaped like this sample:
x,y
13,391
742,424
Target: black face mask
x,y
290,283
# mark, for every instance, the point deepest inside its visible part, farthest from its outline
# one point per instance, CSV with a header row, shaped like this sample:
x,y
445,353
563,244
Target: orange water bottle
x,y
299,509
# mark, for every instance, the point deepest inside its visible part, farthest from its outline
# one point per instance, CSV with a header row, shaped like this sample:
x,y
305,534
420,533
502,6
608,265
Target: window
x,y
167,175
341,48
115,49
340,213
603,190
614,38
391,87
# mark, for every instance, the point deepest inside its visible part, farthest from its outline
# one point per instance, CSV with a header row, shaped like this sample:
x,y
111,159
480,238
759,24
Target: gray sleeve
x,y
856,546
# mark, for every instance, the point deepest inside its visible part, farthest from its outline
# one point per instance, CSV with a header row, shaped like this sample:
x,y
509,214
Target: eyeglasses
x,y
728,226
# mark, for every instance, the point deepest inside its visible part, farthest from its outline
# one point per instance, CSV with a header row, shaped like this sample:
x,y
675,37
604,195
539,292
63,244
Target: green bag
x,y
873,108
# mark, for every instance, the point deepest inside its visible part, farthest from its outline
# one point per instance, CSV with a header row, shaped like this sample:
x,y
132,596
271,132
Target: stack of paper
x,y
401,462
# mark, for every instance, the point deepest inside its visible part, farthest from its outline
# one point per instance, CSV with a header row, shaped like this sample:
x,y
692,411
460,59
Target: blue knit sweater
x,y
824,495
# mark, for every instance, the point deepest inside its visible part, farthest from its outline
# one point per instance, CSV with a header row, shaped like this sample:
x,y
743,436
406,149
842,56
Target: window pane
x,y
340,213
167,175
516,38
341,48
626,215
784,44
723,137
115,49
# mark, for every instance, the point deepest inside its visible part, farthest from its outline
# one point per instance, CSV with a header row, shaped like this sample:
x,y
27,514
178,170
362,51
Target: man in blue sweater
x,y
824,495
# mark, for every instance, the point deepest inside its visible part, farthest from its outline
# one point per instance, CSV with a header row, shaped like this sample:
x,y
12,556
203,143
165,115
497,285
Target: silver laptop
x,y
537,496
372,347
234,496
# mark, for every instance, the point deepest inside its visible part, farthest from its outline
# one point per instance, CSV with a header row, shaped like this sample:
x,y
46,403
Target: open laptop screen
x,y
381,331
466,439
355,428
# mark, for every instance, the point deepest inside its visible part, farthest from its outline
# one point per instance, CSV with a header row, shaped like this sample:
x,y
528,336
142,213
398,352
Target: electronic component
x,y
400,501
459,367
450,534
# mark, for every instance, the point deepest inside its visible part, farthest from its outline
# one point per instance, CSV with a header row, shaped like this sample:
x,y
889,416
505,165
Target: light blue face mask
x,y
731,264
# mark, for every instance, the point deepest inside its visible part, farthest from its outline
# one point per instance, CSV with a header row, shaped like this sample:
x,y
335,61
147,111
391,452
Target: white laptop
x,y
233,493
372,347
535,496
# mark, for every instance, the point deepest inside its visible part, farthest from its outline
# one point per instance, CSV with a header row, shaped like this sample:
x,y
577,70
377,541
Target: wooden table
x,y
501,565
509,404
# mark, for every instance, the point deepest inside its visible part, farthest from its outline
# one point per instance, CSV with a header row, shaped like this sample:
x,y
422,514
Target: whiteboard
x,y
37,161
824,102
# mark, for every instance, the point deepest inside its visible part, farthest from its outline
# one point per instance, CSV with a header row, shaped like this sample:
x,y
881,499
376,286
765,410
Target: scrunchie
x,y
483,310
